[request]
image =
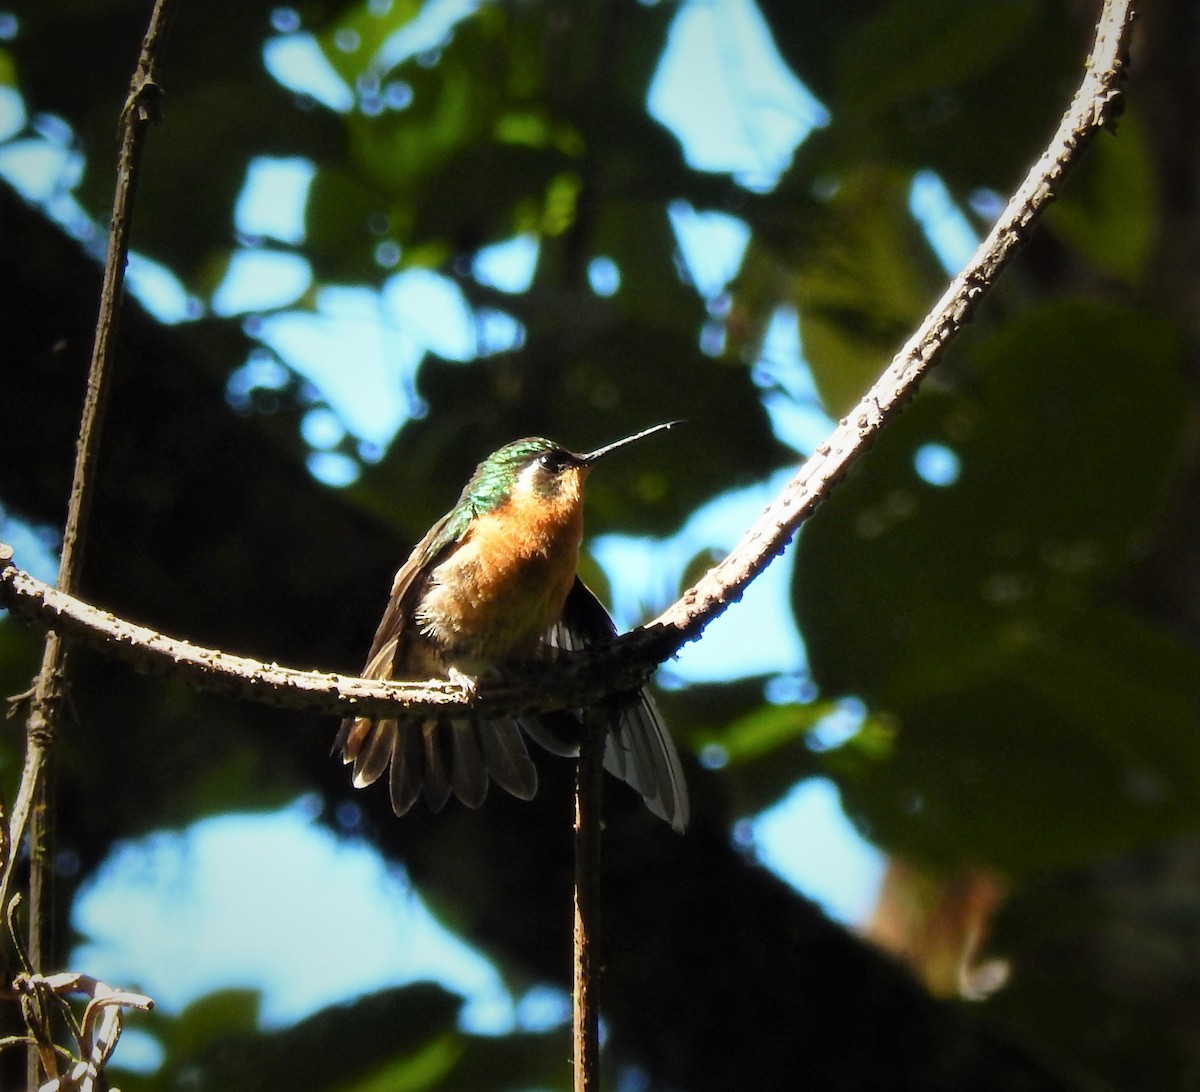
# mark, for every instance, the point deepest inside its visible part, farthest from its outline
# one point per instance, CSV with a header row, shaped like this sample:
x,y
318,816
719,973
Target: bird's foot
x,y
468,683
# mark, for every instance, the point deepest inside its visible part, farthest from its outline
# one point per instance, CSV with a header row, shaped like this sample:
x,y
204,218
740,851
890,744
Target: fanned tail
x,y
440,756
435,757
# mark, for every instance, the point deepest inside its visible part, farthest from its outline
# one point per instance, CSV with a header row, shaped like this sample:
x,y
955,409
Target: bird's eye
x,y
552,462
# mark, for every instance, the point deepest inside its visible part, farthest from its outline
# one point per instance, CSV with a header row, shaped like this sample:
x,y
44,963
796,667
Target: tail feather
x,y
470,777
543,729
507,759
434,757
375,744
437,773
407,774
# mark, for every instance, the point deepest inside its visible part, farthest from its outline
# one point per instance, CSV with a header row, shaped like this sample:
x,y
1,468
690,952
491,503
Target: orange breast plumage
x,y
505,585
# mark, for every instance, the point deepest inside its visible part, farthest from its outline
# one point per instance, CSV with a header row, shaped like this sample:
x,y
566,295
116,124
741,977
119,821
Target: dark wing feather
x,y
639,749
557,731
407,589
370,744
643,755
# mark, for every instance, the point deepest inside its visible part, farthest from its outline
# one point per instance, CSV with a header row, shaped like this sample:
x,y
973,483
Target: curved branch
x,y
1095,105
627,660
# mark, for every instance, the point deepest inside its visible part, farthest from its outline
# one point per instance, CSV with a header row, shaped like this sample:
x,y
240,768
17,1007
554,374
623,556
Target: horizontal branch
x,y
623,664
579,679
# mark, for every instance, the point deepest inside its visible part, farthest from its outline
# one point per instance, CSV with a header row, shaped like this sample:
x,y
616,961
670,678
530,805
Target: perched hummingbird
x,y
494,583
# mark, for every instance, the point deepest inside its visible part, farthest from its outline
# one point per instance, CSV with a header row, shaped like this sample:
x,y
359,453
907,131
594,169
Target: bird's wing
x,y
430,756
406,589
639,750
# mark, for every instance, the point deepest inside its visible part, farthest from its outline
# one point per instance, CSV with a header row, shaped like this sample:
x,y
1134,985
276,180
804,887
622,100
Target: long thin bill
x,y
592,456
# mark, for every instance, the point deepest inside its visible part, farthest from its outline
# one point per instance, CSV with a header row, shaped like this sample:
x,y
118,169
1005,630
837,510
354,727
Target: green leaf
x,y
519,1060
222,1013
1108,209
864,283
766,729
969,91
637,232
967,612
1134,688
766,752
340,208
406,1034
448,111
508,188
913,48
351,42
1032,768
427,1068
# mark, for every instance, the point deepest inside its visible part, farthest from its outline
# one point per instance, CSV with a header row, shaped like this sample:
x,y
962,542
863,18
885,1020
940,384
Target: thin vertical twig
x,y
47,699
585,1008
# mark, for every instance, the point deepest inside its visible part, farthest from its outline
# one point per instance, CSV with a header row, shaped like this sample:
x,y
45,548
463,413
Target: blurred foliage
x,y
400,1040
997,626
1022,637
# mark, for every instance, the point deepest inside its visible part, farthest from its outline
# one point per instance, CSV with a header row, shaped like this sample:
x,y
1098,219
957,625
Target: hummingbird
x,y
494,583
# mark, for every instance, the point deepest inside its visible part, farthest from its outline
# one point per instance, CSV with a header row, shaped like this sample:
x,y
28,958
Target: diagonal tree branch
x,y
624,663
1095,105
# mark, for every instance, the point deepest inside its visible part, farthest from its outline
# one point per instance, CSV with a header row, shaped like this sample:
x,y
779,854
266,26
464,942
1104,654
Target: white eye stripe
x,y
527,479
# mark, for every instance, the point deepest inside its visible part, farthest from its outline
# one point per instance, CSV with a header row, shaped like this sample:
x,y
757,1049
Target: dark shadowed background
x,y
375,241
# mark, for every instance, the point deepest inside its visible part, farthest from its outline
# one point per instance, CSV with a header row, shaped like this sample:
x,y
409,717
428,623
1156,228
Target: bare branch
x,y
47,700
585,1002
1095,105
580,679
626,661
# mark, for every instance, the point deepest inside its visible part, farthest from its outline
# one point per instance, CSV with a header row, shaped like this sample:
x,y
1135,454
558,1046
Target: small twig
x,y
41,723
624,663
585,1007
16,1040
95,1035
